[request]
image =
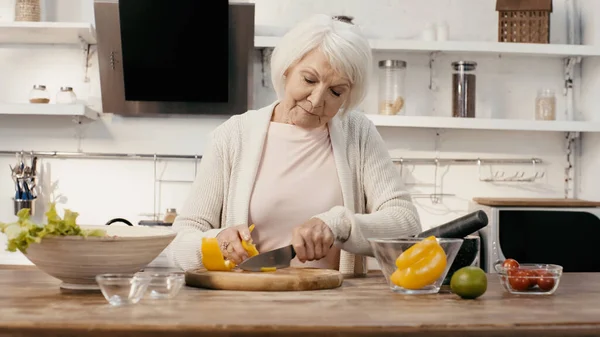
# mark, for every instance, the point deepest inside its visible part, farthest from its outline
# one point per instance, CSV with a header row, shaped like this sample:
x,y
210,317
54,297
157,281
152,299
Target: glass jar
x,y
66,96
464,89
170,216
545,105
39,94
391,87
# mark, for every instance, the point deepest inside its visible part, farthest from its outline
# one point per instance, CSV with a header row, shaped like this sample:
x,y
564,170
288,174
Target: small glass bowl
x,y
123,289
530,278
388,250
165,285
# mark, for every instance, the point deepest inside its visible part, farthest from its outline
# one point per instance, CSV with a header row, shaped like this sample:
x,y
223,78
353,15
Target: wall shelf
x,y
460,47
47,33
482,124
66,110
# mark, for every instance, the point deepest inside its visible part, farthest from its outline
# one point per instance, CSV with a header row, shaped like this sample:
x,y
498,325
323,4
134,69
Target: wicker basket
x,y
27,10
525,21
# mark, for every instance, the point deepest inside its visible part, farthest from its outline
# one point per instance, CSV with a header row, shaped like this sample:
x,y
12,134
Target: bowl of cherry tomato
x,y
528,278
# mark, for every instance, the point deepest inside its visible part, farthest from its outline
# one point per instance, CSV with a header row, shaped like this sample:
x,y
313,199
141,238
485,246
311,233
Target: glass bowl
x,y
123,289
388,250
530,278
165,285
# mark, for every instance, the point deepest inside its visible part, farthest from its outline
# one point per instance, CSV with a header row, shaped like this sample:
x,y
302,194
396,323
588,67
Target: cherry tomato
x,y
532,276
519,280
512,272
545,281
510,264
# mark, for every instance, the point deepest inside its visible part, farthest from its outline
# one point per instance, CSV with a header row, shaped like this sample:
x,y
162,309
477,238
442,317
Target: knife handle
x,y
294,251
460,227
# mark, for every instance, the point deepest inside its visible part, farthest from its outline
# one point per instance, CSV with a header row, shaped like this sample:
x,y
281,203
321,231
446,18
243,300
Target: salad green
x,y
22,233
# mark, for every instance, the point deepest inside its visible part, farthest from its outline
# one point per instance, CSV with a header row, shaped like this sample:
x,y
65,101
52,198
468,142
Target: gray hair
x,y
343,43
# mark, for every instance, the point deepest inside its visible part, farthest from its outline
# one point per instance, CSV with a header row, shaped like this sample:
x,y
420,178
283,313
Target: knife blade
x,y
278,258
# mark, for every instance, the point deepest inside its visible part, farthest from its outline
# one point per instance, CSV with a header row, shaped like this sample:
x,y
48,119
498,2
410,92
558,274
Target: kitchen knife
x,y
278,258
458,228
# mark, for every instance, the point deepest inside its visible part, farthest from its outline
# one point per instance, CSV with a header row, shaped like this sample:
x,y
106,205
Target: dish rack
x,y
493,176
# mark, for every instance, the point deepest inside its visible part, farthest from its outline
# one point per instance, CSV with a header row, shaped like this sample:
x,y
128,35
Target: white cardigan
x,y
375,202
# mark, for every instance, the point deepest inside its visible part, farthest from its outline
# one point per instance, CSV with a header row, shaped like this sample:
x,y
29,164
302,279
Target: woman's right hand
x,y
230,242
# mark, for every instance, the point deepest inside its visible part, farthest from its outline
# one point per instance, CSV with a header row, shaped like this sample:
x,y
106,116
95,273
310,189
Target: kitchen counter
x,y
31,304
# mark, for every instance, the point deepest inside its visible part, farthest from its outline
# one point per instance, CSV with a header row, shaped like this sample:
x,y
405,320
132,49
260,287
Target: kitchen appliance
x,y
459,227
184,57
466,227
549,231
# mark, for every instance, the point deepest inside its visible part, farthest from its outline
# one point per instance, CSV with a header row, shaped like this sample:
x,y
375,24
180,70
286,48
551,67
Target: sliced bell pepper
x,y
416,252
268,269
212,258
249,246
420,265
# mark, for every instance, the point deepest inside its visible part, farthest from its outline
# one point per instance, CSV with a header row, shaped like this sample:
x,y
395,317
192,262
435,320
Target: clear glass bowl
x,y
388,250
530,278
165,285
123,289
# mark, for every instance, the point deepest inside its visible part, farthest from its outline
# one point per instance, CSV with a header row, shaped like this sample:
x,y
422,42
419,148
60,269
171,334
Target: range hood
x,y
170,58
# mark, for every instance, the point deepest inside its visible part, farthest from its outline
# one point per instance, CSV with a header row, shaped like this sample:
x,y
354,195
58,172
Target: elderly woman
x,y
305,170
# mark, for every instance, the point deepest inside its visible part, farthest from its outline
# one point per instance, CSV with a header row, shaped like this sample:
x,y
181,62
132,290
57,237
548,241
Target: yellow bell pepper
x,y
415,253
249,246
212,257
268,269
420,265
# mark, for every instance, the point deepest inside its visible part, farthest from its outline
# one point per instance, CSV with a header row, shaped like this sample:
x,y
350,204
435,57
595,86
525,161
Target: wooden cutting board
x,y
536,202
287,279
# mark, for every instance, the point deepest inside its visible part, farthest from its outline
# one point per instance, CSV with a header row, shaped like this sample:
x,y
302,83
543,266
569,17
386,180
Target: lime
x,y
469,282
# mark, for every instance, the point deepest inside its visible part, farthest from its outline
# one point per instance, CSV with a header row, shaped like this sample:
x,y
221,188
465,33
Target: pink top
x,y
297,179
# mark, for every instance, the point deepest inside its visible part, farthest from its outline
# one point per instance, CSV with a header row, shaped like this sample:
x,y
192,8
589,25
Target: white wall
x,y
103,189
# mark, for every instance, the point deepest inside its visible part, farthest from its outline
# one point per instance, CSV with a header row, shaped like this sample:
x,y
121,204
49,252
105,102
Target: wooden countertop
x,y
31,304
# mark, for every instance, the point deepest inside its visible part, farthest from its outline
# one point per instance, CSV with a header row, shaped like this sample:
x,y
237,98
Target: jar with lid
x,y
545,105
392,74
171,215
464,89
66,96
39,94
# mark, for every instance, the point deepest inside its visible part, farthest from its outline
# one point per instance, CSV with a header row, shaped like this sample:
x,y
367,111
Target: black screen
x,y
566,238
175,50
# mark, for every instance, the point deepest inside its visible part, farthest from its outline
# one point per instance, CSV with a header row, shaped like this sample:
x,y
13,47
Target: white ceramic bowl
x,y
76,260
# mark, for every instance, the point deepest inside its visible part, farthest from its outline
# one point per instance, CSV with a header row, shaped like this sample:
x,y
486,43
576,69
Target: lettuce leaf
x,y
24,232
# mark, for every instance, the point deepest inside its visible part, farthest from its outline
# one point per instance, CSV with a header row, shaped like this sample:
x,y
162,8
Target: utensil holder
x,y
19,204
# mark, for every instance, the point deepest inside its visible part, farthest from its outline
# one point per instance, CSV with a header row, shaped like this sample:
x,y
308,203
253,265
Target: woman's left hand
x,y
312,240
